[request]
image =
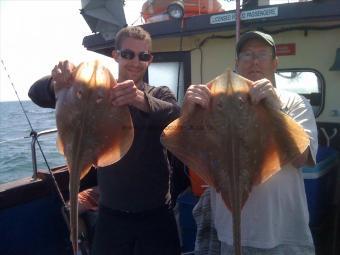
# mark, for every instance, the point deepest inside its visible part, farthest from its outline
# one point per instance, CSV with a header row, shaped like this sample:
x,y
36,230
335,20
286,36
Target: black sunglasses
x,y
129,54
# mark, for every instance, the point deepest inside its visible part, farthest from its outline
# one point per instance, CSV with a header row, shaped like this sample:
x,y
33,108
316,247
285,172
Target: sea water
x,y
15,140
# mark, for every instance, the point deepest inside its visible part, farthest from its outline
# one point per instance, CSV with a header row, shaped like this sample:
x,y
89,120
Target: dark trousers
x,y
152,232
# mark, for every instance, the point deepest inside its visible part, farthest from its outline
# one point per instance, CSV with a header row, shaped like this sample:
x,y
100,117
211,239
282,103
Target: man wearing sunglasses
x,y
135,215
274,219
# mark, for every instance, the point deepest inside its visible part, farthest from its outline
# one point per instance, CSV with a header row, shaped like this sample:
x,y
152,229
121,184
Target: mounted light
x,y
176,9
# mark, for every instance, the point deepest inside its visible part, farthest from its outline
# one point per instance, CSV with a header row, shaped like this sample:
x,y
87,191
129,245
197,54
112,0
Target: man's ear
x,y
275,63
150,61
115,55
236,64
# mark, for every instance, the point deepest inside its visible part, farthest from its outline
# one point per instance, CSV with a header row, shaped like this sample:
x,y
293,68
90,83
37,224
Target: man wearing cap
x,y
275,218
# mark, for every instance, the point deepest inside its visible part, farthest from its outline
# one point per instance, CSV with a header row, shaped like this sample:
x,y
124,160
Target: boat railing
x,y
35,136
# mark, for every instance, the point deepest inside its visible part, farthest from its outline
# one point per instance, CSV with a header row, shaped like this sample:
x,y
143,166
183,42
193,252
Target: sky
x,y
36,34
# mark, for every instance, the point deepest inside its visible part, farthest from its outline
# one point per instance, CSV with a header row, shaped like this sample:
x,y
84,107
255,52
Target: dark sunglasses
x,y
129,54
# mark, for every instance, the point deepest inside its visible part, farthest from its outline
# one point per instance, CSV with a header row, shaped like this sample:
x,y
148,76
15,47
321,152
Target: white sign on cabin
x,y
245,15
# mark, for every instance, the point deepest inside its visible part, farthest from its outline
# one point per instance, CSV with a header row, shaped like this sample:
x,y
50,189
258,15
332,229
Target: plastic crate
x,y
320,185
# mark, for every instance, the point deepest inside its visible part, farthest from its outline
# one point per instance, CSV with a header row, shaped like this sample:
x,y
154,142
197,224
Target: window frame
x,y
322,84
184,57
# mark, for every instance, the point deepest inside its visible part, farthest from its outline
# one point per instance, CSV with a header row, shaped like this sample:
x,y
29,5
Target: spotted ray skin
x,y
234,144
91,131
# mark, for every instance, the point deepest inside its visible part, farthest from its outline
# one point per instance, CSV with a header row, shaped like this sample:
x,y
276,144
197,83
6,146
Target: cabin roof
x,y
254,18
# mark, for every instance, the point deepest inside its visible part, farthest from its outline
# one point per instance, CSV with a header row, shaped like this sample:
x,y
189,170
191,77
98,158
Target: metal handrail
x,y
35,136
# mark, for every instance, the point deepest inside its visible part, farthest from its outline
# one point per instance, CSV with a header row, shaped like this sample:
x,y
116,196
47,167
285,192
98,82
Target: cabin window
x,y
171,69
308,83
169,74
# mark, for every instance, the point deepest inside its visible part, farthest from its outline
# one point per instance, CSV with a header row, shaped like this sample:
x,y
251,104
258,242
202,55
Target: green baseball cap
x,y
255,35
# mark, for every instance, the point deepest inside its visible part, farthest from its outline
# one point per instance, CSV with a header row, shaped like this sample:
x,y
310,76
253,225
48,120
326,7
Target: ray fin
x,y
287,140
60,145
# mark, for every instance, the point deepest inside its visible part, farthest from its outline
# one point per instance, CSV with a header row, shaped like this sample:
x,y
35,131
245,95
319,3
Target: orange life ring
x,y
191,7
